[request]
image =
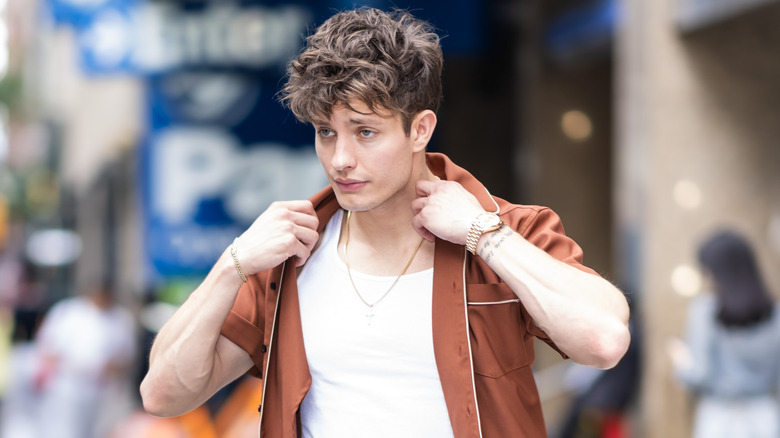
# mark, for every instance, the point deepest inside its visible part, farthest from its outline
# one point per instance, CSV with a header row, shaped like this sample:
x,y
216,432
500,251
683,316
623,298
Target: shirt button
x,y
263,348
273,285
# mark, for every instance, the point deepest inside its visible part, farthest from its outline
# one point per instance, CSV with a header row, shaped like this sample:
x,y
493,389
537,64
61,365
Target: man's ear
x,y
422,128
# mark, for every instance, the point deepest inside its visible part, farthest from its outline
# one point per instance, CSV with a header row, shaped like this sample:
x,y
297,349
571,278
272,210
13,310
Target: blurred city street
x,y
138,138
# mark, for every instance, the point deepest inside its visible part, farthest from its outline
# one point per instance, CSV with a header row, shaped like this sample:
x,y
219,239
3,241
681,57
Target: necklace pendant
x,y
370,314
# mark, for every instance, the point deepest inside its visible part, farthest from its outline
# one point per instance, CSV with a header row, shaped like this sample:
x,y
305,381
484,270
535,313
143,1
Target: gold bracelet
x,y
235,260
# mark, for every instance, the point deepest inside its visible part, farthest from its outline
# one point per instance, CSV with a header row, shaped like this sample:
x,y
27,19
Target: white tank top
x,y
377,380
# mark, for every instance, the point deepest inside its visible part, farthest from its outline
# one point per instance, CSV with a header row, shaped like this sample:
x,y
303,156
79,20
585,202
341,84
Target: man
x,y
361,308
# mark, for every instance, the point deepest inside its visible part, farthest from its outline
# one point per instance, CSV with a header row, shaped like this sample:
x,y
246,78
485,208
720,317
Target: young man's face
x,y
367,157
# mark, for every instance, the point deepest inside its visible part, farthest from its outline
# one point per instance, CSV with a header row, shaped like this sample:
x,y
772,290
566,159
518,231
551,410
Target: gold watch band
x,y
483,223
473,238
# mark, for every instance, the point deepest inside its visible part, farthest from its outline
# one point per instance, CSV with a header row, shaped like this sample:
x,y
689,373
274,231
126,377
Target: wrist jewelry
x,y
483,223
235,260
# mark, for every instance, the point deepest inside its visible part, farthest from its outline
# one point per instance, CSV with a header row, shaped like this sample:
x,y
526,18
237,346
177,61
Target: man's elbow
x,y
151,399
611,348
155,400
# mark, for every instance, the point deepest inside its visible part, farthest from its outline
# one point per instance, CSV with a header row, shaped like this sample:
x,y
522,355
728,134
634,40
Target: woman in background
x,y
731,356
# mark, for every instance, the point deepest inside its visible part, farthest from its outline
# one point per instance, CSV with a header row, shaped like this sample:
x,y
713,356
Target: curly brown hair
x,y
387,60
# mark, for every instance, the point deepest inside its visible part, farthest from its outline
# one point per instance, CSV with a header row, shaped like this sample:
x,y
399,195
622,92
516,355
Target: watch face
x,y
488,221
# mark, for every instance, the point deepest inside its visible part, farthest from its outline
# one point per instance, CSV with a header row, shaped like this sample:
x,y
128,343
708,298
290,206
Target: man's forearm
x,y
185,367
584,314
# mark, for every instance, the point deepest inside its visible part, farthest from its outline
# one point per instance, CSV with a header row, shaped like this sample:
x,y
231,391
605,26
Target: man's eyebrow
x,y
363,120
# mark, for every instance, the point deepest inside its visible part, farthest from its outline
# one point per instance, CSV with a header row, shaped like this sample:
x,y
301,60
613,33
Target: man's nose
x,y
343,155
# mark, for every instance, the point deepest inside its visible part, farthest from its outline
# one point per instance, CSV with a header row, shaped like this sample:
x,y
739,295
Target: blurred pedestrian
x,y
731,355
418,311
86,346
18,412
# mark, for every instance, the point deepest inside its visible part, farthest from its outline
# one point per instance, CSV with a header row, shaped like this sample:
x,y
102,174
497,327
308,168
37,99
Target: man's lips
x,y
349,185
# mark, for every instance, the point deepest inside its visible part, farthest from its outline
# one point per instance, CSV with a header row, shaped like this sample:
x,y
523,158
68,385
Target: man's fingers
x,y
424,233
424,187
307,236
303,206
297,212
305,220
303,248
418,204
421,230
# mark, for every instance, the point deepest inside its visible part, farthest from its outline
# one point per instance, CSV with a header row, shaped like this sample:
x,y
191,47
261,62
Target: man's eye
x,y
367,133
325,132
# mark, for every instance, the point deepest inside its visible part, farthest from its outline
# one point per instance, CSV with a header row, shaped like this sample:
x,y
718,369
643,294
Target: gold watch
x,y
484,223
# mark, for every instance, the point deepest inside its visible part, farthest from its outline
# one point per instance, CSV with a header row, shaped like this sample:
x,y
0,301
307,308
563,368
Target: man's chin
x,y
351,204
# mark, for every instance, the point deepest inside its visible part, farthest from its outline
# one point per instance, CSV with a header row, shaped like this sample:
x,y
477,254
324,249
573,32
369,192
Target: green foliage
x,y
11,90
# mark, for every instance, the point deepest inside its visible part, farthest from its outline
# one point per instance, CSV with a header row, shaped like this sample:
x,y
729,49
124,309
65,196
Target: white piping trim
x,y
498,209
491,303
468,325
468,342
270,345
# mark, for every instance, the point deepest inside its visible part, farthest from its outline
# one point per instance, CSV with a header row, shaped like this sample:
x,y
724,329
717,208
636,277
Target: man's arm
x,y
584,314
190,360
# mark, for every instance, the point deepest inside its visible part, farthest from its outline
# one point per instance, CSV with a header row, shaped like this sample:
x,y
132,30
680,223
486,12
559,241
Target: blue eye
x,y
367,133
325,132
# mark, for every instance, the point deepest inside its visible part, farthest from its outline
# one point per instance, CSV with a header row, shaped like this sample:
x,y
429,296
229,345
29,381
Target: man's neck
x,y
383,229
390,223
384,237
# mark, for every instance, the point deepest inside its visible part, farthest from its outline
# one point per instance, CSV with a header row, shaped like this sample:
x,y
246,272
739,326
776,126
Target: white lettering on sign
x,y
190,165
221,35
196,246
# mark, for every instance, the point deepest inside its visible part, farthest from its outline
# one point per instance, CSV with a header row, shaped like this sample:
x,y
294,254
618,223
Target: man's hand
x,y
286,229
679,353
444,209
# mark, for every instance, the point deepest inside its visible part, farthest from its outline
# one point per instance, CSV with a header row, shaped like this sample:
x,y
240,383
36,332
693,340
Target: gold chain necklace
x,y
346,260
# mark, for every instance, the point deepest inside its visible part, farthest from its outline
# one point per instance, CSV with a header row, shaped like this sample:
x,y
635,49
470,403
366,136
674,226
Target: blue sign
x,y
80,13
146,37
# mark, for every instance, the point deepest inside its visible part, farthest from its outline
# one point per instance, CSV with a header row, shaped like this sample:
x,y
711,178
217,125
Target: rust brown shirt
x,y
483,336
